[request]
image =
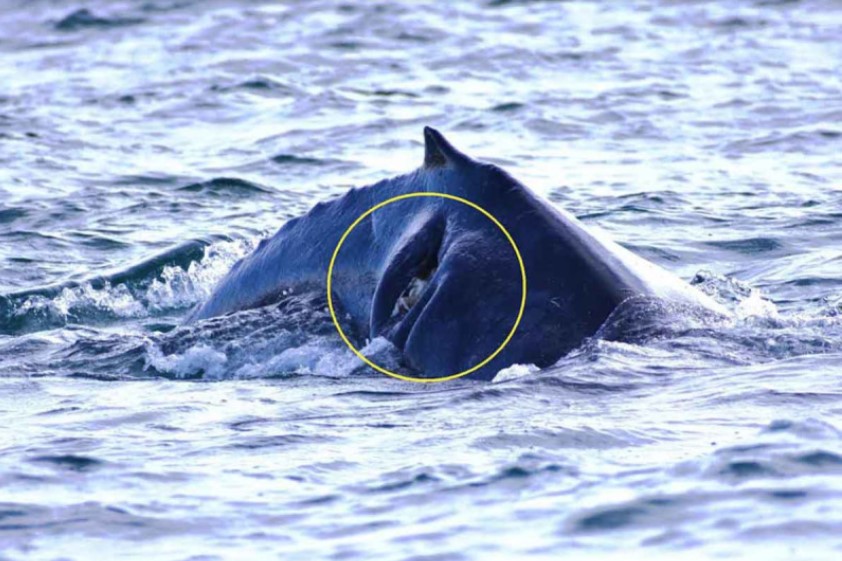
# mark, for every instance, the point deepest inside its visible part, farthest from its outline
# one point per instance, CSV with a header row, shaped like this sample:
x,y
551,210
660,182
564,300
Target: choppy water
x,y
145,146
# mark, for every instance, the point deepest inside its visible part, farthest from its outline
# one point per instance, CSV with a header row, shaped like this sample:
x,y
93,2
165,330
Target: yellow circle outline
x,y
389,201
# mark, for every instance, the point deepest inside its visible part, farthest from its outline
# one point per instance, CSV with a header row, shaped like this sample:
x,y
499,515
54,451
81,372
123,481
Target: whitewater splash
x,y
170,283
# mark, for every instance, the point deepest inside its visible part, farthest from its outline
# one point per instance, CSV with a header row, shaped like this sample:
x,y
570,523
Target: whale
x,y
441,281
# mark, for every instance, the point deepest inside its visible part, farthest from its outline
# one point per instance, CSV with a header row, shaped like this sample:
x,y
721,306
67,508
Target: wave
x,y
85,19
226,187
174,280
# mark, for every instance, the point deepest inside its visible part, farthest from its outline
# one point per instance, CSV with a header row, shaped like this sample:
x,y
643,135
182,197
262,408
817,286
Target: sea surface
x,y
147,145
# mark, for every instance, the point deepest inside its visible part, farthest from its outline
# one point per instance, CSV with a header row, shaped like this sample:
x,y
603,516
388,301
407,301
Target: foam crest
x,y
161,290
199,361
756,306
179,288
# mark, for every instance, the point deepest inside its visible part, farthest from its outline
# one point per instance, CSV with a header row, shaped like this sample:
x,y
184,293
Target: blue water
x,y
145,146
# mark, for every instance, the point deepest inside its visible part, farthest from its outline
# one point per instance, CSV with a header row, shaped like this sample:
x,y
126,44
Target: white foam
x,y
755,306
175,288
515,372
180,288
199,359
116,300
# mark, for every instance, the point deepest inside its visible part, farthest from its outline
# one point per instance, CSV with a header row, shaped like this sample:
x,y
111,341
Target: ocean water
x,y
145,146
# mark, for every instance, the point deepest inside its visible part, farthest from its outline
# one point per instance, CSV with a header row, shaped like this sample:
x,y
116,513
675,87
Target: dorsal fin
x,y
437,150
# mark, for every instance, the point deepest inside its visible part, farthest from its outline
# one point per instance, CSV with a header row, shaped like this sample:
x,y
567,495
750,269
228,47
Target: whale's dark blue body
x,y
440,280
